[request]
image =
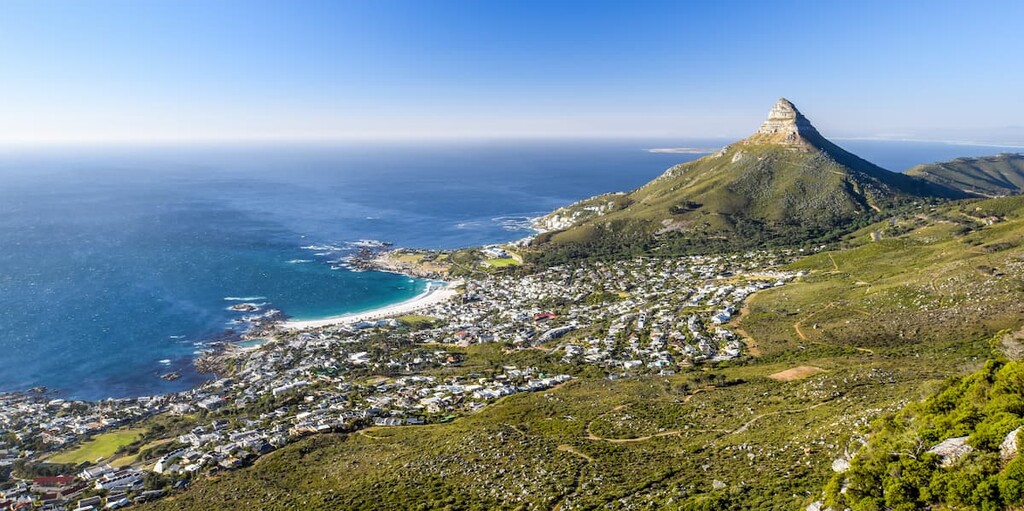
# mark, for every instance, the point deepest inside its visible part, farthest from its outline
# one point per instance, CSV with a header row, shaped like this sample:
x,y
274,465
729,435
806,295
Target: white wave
x,y
299,261
166,361
176,336
514,223
367,244
467,225
243,298
323,248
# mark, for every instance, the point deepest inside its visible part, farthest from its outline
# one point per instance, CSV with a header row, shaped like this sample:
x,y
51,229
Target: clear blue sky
x,y
212,69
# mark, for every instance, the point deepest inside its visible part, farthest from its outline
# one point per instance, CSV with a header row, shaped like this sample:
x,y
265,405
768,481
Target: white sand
x,y
428,299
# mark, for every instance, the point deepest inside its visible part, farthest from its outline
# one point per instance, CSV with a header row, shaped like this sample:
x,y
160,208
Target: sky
x,y
151,70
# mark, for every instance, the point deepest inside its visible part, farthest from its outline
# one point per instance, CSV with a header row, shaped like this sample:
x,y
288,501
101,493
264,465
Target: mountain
x,y
987,176
784,184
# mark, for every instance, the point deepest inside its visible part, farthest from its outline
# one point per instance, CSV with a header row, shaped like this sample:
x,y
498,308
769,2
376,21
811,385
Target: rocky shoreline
x,y
391,261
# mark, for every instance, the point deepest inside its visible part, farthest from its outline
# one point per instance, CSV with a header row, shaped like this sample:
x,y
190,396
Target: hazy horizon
x,y
113,71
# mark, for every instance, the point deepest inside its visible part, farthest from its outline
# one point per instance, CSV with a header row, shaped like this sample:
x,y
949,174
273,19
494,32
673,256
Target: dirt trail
x,y
592,436
364,432
745,426
572,450
751,344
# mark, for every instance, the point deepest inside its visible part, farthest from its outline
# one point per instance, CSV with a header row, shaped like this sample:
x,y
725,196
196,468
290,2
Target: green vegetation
x,y
103,445
417,322
985,176
750,195
502,262
897,470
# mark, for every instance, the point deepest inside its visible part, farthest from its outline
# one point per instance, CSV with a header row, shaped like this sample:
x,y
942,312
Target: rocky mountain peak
x,y
786,125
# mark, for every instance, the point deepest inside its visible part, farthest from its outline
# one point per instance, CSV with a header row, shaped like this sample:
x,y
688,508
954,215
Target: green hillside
x,y
784,185
988,176
900,467
884,321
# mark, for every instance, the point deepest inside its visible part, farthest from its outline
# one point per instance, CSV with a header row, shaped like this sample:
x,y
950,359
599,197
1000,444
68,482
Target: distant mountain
x,y
987,176
786,183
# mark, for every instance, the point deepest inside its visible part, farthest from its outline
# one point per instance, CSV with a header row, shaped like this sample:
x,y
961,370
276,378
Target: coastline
x,y
428,298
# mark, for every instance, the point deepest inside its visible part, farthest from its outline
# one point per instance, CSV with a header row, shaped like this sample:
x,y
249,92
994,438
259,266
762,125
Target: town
x,y
611,319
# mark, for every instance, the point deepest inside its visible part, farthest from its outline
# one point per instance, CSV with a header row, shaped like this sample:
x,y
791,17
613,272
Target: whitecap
x,y
176,336
514,223
165,361
367,244
299,261
323,248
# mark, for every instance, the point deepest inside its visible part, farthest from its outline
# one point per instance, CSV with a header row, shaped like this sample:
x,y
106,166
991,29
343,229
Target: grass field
x,y
102,446
503,262
417,321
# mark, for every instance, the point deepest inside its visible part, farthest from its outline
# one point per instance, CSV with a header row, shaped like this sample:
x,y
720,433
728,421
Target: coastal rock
x,y
568,216
245,307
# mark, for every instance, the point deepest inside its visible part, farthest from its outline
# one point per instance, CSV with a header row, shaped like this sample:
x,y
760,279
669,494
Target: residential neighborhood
x,y
621,319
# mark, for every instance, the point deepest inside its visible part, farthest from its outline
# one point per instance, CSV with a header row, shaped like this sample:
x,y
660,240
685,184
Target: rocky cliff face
x,y
786,126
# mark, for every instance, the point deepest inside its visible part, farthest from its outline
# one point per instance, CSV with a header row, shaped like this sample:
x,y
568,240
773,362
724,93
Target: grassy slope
x,y
986,176
887,320
748,195
963,283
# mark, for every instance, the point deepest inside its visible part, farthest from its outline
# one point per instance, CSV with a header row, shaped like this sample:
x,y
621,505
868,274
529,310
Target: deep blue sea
x,y
117,263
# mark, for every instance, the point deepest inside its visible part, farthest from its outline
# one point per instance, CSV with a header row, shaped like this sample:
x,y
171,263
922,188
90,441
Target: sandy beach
x,y
429,298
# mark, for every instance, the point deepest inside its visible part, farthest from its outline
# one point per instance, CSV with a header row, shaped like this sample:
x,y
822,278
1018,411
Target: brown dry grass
x,y
796,373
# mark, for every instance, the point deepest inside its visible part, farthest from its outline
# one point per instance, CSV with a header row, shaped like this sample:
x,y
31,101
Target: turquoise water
x,y
117,264
251,343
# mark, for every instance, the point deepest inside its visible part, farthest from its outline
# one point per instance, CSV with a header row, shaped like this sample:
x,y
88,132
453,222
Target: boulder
x,y
951,450
1008,449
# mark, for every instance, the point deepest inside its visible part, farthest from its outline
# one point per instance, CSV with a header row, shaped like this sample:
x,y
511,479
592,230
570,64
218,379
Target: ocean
x,y
118,263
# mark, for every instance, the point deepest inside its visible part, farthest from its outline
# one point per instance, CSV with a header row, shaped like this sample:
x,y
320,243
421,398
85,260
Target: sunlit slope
x,y
785,184
986,176
939,274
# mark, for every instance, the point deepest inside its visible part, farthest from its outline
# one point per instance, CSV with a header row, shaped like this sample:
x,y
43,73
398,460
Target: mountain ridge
x,y
786,183
984,176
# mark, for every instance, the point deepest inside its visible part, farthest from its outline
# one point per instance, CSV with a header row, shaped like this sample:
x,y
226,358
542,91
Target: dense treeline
x,y
896,470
